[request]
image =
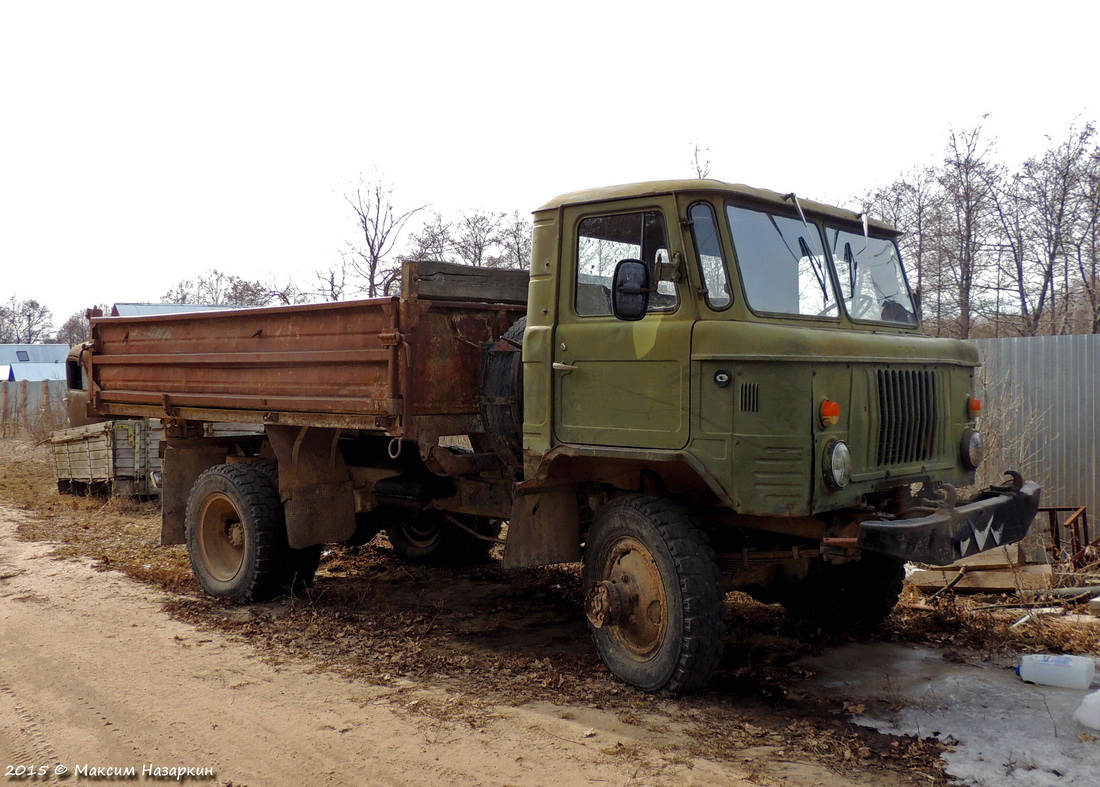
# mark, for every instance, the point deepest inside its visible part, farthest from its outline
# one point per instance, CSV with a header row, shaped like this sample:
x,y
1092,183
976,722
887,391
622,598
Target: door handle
x,y
564,367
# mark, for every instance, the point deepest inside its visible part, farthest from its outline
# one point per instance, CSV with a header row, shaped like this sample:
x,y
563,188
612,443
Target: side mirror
x,y
630,290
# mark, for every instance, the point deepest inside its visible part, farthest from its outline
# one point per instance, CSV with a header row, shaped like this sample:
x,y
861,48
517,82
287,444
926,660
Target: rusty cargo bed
x,y
404,366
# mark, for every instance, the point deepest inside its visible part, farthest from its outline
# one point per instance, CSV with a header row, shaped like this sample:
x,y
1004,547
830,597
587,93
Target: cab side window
x,y
604,240
712,263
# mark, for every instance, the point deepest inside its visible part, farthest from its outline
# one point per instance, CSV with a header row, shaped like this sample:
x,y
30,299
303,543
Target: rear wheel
x,y
236,536
430,537
851,596
655,603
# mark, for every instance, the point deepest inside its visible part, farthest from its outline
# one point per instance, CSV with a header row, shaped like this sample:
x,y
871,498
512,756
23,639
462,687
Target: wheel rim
x,y
221,538
639,619
422,532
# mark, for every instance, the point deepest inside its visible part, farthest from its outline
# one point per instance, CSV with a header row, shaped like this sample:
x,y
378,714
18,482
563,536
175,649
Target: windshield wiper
x,y
850,258
816,266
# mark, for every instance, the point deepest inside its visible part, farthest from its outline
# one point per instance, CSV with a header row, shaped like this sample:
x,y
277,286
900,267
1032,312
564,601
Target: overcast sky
x,y
147,142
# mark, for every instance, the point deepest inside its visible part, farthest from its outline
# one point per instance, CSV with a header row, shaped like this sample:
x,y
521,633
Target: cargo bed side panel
x,y
368,364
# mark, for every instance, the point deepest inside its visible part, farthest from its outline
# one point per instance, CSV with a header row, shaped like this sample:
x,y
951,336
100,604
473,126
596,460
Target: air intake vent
x,y
750,397
908,414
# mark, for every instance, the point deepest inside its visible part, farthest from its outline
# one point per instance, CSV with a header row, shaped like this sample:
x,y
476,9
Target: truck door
x,y
620,383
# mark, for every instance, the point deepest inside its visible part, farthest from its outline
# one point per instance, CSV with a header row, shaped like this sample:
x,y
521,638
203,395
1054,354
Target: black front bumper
x,y
994,518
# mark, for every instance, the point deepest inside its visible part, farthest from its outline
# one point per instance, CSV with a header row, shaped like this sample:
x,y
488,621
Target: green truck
x,y
698,387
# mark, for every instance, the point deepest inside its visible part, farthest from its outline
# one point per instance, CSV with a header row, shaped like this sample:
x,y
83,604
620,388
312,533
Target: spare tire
x,y
502,396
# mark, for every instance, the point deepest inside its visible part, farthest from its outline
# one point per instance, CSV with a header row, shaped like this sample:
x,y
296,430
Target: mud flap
x,y
184,461
314,485
544,529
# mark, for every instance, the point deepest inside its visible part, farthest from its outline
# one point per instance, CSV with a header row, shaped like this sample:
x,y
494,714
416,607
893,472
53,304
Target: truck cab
x,y
758,359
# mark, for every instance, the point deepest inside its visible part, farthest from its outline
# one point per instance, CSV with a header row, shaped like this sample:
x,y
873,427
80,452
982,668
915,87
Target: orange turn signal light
x,y
973,407
830,413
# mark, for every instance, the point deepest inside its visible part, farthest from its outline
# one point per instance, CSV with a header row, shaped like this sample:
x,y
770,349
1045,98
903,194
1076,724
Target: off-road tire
x,y
428,538
236,534
270,468
684,652
302,563
850,597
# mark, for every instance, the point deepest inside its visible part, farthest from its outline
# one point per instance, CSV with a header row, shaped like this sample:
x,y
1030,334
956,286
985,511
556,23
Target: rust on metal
x,y
1077,525
840,543
631,597
606,603
382,364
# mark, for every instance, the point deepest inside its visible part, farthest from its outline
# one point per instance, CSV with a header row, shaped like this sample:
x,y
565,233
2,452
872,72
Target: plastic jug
x,y
1069,672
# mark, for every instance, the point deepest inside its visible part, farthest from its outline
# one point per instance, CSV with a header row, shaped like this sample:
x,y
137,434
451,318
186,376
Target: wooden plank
x,y
1023,578
1002,557
1080,620
445,281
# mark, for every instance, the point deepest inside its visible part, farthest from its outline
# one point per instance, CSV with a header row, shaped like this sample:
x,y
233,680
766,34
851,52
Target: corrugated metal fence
x,y
34,408
1041,413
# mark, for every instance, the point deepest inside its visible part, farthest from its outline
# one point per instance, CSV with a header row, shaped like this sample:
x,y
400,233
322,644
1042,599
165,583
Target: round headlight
x,y
837,464
973,449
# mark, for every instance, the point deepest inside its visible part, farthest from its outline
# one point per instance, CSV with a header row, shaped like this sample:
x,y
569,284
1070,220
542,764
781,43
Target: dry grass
x,y
118,533
984,624
491,637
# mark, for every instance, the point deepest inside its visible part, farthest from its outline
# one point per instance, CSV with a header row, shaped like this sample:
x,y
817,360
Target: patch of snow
x,y
1008,732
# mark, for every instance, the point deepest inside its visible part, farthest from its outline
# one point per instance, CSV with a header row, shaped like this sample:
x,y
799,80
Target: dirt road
x,y
96,678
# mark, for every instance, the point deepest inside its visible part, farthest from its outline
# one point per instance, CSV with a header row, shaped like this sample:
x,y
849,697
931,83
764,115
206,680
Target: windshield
x,y
871,279
782,263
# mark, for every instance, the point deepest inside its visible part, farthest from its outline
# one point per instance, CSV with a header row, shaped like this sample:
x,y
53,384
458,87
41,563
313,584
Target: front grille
x,y
908,404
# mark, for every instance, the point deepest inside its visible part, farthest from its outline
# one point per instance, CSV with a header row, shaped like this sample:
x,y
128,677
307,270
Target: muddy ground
x,y
391,673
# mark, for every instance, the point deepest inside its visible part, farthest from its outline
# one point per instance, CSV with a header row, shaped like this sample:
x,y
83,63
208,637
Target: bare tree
x,y
379,225
215,288
997,249
432,242
74,330
332,282
1039,212
968,180
475,233
24,322
284,293
913,204
700,161
514,239
7,322
1086,251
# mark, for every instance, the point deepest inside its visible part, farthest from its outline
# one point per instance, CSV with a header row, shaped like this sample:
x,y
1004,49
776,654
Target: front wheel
x,y
655,602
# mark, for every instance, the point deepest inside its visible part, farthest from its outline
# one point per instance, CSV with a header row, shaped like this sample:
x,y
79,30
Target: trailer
x,y
117,457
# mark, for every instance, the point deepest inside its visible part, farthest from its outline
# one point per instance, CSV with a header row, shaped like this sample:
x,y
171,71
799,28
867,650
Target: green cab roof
x,y
660,187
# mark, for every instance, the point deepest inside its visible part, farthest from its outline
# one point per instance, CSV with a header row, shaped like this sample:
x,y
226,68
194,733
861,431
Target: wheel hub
x,y
630,601
606,603
235,533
